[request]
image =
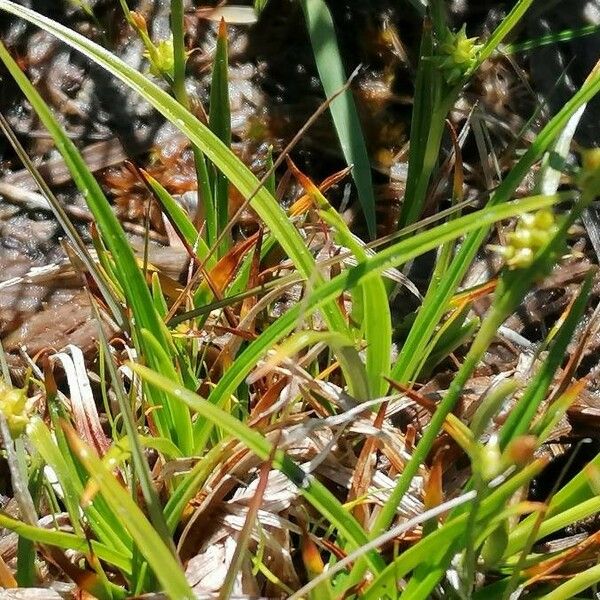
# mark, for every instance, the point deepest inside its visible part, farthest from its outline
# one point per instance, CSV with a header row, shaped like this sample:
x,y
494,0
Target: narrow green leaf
x,y
190,484
426,91
390,257
270,183
205,195
165,566
179,57
67,541
205,192
566,35
126,269
237,173
578,583
371,296
315,492
520,417
179,414
582,509
160,304
505,27
219,120
180,220
343,110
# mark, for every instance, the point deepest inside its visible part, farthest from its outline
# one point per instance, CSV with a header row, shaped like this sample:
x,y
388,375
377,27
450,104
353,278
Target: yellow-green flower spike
x,y
15,408
520,238
521,259
590,159
533,231
162,58
588,177
544,219
457,54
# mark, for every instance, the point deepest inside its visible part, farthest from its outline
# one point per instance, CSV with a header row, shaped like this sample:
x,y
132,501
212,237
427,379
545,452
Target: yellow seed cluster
x,y
14,406
458,54
533,231
162,59
590,159
588,177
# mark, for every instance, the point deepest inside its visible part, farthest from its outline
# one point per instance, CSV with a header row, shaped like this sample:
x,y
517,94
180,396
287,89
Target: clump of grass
x,y
296,407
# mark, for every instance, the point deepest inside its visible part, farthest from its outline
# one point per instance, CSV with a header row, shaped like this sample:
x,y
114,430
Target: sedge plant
x,y
285,394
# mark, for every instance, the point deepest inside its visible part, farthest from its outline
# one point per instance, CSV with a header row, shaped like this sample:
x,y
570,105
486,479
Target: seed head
x,y
457,54
15,408
533,232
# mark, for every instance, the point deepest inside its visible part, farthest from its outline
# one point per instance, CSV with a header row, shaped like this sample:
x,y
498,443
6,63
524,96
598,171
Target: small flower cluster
x,y
160,55
588,177
15,407
533,231
457,54
162,58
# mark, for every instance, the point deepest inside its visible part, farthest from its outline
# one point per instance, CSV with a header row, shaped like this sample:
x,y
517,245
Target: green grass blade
x,y
370,300
160,304
205,196
378,334
580,510
548,39
41,438
189,485
419,129
66,541
237,173
575,495
420,585
126,269
393,256
434,98
165,566
548,179
578,583
505,27
376,318
315,492
343,110
26,574
270,183
219,120
520,417
179,58
181,221
104,523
